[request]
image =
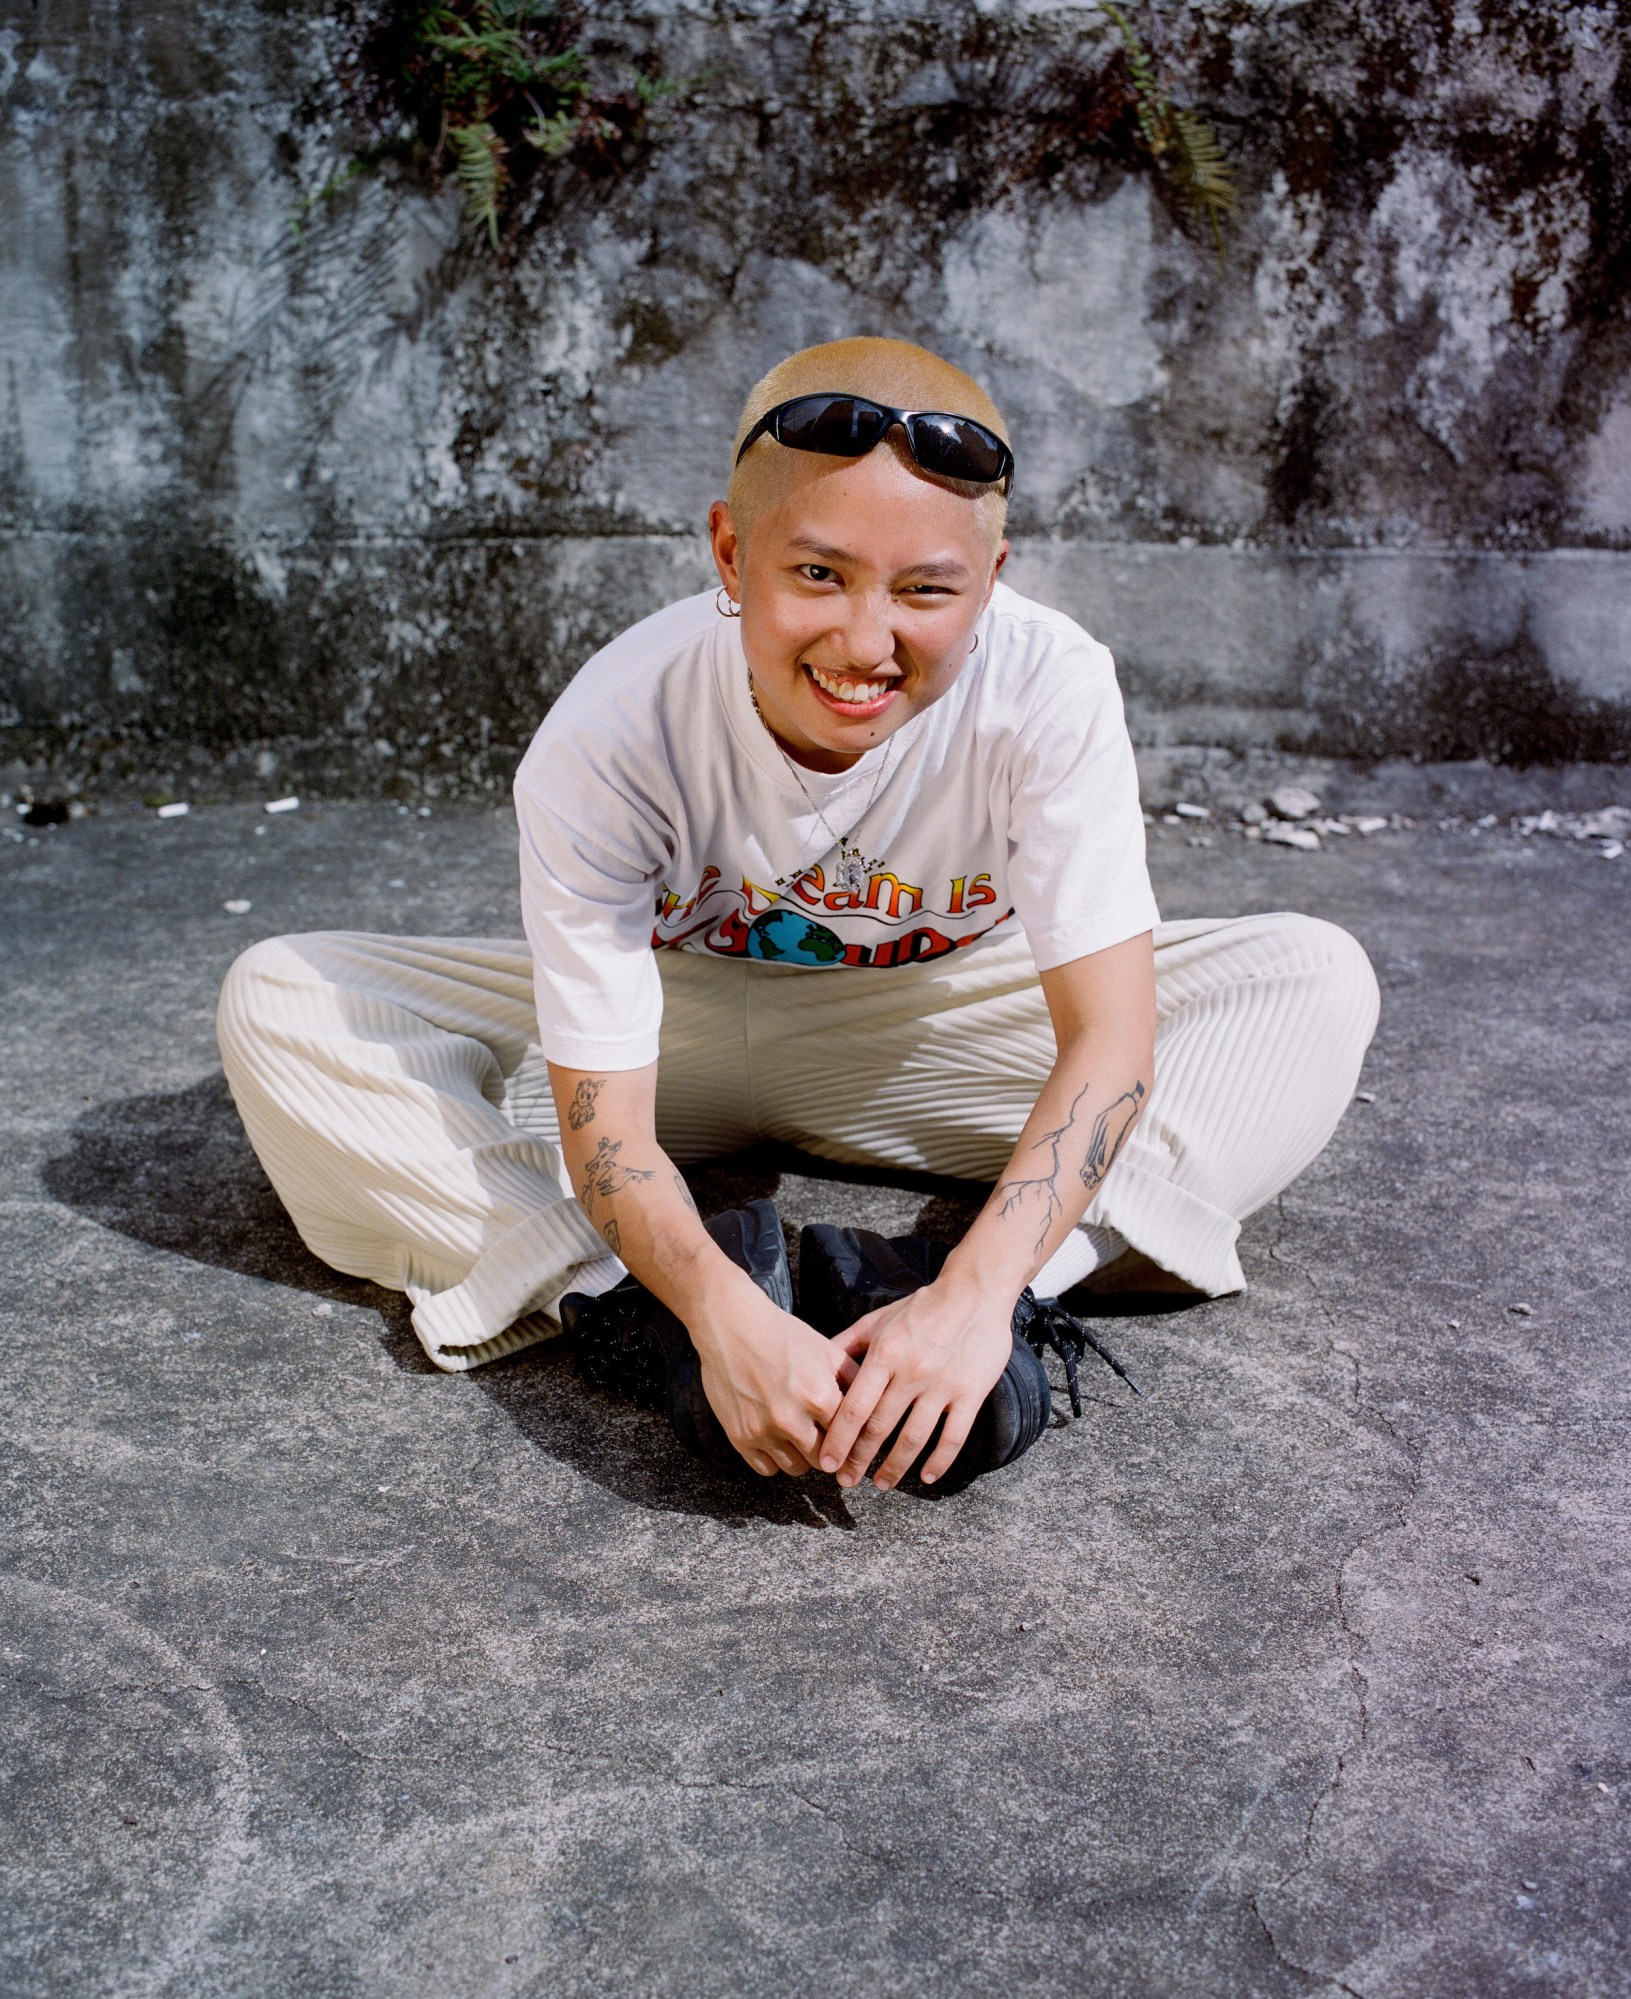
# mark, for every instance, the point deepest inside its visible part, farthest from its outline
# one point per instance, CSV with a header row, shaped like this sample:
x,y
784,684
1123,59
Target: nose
x,y
867,636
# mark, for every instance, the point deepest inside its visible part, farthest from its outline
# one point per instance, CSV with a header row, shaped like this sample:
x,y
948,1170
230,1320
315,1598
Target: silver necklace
x,y
853,865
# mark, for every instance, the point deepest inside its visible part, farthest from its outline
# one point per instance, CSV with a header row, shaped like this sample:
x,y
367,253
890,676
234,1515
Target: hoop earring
x,y
730,608
976,645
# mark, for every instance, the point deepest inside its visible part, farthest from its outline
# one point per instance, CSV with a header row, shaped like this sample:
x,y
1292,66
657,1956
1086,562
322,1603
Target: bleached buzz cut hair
x,y
893,372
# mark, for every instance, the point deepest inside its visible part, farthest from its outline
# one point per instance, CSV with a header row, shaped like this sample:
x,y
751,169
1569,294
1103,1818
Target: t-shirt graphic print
x,y
658,813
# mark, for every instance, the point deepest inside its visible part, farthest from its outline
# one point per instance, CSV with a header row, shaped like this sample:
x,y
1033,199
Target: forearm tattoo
x,y
604,1177
685,1193
581,1110
1045,1184
613,1235
1110,1129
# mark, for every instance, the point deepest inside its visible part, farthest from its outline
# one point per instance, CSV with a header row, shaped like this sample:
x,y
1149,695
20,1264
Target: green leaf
x,y
478,155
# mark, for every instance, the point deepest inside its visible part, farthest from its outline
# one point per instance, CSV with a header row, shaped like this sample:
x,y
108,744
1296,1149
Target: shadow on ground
x,y
176,1171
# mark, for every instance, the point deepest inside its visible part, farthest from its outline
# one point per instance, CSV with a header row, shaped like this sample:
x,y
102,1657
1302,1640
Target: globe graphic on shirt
x,y
787,938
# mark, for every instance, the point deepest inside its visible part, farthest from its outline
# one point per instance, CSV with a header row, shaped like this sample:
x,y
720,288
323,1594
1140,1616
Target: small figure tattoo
x,y
581,1110
613,1235
1110,1129
603,1176
685,1194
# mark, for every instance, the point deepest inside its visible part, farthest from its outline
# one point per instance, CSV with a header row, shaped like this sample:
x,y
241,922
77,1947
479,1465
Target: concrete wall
x,y
360,504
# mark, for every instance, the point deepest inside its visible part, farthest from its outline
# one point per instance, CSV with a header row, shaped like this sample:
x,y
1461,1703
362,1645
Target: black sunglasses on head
x,y
840,426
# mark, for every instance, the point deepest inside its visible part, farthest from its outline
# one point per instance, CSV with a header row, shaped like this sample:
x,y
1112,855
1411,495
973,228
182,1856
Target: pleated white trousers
x,y
396,1095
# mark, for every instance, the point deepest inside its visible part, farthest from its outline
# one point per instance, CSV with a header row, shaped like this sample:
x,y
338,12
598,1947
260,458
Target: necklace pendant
x,y
851,880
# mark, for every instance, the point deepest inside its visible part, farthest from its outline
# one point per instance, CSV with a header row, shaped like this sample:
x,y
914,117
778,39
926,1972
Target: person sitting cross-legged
x,y
846,854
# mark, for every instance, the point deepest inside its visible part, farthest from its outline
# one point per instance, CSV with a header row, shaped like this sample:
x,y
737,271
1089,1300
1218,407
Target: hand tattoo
x,y
581,1110
603,1175
1047,1184
1110,1129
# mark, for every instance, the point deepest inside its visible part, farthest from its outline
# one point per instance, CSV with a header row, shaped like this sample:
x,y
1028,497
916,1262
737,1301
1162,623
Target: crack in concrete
x,y
1356,1639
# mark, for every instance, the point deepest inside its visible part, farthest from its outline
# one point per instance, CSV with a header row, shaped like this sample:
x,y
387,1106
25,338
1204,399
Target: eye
x,y
925,590
817,572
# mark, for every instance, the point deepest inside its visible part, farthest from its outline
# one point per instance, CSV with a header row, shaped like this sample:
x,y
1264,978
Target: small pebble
x,y
1370,822
1455,1325
397,883
238,906
1294,801
1532,1886
1200,839
281,805
1304,838
424,811
176,811
323,1311
1523,1311
1364,1096
1253,814
1185,810
1605,1790
260,832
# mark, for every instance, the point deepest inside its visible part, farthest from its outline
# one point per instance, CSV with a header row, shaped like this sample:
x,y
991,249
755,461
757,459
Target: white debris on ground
x,y
1281,833
1293,815
238,906
281,805
176,811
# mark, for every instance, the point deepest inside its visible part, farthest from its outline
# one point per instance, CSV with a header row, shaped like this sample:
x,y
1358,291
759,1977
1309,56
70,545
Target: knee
x,y
255,993
1337,969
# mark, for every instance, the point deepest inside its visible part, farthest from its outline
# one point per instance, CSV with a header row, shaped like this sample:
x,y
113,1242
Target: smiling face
x,y
860,584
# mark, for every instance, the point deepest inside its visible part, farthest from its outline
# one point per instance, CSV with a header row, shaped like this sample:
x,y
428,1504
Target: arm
x,y
772,1380
939,1352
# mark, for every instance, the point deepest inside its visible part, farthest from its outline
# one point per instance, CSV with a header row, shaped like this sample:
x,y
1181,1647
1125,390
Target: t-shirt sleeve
x,y
1076,863
590,859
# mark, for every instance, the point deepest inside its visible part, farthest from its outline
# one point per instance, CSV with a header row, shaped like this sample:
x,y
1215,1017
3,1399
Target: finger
x,y
789,1460
757,1461
823,1407
860,1399
959,1421
909,1445
854,1340
875,1433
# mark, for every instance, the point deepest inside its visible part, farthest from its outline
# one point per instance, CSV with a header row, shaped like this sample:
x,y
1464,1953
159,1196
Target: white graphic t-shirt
x,y
657,813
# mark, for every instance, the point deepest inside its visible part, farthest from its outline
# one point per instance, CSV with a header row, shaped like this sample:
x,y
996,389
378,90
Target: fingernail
x,y
929,1477
829,1464
845,1480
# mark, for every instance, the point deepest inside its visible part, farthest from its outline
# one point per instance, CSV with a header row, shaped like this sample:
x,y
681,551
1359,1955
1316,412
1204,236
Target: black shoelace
x,y
1050,1325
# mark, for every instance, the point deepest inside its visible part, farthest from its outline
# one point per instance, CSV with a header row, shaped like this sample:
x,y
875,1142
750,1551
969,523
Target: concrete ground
x,y
1306,1674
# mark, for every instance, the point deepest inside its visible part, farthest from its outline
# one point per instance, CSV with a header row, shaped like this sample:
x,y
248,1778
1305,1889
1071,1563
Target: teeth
x,y
848,690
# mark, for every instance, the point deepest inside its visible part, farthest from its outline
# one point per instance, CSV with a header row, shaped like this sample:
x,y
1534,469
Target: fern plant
x,y
493,93
1182,146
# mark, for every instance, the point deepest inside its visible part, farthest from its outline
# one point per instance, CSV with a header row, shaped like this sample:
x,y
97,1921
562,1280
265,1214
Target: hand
x,y
771,1379
937,1353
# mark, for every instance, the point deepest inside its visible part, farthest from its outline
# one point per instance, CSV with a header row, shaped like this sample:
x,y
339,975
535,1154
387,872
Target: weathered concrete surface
x,y
1304,1675
359,503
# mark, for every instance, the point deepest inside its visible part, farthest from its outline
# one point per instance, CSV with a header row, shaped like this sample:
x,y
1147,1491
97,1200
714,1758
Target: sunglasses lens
x,y
957,448
842,426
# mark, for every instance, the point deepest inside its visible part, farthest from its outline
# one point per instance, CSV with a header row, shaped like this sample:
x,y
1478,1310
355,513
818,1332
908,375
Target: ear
x,y
727,547
996,567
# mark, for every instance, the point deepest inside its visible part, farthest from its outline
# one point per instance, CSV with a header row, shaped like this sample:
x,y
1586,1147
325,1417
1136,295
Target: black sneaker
x,y
628,1341
846,1273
